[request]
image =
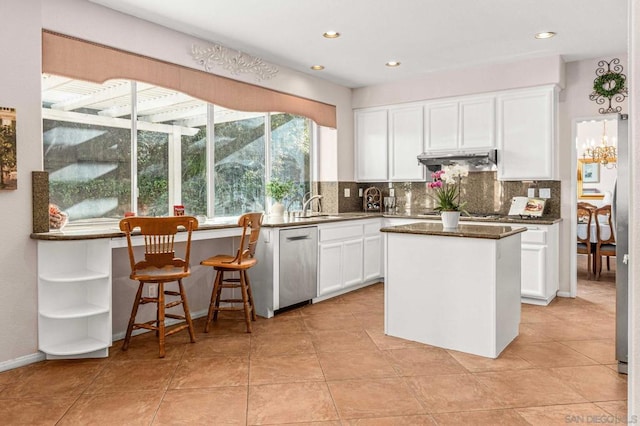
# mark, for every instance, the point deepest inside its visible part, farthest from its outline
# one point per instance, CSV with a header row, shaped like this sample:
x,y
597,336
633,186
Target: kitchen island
x,y
456,289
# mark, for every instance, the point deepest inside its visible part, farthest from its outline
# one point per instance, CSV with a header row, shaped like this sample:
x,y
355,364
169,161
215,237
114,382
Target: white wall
x,y
481,79
574,104
20,81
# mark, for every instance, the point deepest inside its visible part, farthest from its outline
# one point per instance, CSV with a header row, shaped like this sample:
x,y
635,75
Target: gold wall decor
x,y
8,161
589,173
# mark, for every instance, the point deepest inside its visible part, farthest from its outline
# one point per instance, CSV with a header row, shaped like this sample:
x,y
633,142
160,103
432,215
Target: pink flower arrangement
x,y
446,183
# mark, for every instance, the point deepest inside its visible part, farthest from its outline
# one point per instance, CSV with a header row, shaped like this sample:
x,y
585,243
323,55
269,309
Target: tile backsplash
x,y
482,191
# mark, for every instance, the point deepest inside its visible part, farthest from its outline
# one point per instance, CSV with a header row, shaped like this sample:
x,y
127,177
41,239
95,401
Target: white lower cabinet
x,y
330,268
352,261
540,267
74,298
533,259
373,266
348,256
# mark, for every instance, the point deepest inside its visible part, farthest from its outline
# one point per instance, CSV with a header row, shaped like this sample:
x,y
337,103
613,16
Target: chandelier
x,y
604,153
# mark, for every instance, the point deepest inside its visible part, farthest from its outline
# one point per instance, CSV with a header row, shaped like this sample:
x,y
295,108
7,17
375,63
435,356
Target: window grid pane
x,y
86,153
239,168
87,145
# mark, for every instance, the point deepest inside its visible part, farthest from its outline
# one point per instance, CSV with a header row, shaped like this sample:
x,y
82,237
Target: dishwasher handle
x,y
298,238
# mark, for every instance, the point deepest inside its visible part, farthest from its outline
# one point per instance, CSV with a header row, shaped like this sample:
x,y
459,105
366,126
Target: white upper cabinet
x,y
520,123
405,144
527,134
371,145
441,126
477,123
460,124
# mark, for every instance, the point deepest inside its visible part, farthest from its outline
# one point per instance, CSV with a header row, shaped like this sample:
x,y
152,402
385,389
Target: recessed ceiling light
x,y
331,34
546,34
393,64
317,67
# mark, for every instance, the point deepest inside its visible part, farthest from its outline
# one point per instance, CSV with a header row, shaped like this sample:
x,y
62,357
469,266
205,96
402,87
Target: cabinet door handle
x,y
300,237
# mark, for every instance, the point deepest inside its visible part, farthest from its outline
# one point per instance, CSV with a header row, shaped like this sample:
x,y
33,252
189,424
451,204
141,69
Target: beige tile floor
x,y
331,363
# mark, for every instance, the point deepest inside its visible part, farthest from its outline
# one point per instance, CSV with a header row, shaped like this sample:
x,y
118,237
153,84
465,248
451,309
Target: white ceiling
x,y
424,35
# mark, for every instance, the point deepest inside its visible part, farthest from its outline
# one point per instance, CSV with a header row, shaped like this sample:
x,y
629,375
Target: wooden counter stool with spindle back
x,y
160,266
240,263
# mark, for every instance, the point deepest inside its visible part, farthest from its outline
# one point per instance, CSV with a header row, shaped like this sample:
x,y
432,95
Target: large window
x,y
125,146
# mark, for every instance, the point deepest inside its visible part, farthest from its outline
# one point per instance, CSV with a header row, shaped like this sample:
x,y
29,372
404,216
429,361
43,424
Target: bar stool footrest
x,y
175,316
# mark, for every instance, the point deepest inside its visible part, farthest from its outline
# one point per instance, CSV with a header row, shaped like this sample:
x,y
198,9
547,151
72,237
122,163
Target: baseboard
x,y
22,361
564,294
347,290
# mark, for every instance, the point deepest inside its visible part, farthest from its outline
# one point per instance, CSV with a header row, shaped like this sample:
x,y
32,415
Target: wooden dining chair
x,y
160,266
604,246
586,205
240,263
584,244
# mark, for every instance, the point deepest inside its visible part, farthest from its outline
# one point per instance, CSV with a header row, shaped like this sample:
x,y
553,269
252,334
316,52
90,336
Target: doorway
x,y
594,182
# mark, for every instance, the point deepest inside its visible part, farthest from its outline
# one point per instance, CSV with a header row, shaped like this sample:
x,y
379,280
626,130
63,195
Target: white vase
x,y
450,219
277,210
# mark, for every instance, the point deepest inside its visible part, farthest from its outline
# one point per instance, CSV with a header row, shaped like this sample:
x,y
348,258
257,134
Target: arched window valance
x,y
84,60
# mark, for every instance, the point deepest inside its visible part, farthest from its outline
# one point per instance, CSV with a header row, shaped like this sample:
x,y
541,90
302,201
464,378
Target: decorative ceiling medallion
x,y
609,84
235,61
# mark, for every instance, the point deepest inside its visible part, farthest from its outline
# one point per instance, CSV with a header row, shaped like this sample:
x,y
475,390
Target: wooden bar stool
x,y
243,260
160,266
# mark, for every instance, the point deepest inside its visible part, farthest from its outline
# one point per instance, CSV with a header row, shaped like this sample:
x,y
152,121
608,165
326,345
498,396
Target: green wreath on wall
x,y
609,84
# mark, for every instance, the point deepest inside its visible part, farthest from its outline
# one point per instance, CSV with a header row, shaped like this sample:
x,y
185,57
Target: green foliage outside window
x,y
101,157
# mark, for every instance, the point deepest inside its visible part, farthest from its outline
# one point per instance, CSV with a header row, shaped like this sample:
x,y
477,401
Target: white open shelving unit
x,y
74,298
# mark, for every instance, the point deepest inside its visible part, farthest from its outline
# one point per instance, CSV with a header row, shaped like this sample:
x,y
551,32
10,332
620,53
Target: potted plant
x,y
278,190
447,186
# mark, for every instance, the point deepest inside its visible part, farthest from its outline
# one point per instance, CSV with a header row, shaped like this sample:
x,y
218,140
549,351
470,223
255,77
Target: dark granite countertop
x,y
275,222
491,232
111,230
488,218
86,232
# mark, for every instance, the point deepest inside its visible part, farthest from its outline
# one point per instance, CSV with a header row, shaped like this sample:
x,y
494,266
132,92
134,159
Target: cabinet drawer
x,y
372,228
535,236
340,232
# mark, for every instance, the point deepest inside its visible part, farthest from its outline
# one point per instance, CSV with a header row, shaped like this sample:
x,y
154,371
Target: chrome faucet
x,y
307,203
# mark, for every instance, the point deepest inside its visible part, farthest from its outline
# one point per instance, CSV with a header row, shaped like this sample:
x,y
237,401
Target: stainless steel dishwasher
x,y
298,265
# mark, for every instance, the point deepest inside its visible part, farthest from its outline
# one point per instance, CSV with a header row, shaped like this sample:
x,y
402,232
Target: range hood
x,y
477,160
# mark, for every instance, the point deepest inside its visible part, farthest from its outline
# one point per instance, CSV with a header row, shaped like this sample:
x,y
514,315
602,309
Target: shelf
x,y
76,347
74,298
74,276
80,311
